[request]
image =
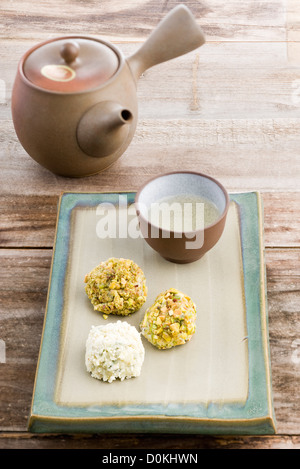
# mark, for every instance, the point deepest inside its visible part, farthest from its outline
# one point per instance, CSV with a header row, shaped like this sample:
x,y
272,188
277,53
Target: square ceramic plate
x,y
219,382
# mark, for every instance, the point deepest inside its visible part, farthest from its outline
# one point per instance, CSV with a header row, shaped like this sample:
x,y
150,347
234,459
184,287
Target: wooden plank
x,y
191,115
281,219
23,287
142,442
230,21
293,31
30,220
232,151
217,81
283,280
27,221
230,109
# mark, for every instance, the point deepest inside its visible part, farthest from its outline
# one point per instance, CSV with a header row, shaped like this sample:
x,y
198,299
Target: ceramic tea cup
x,y
182,214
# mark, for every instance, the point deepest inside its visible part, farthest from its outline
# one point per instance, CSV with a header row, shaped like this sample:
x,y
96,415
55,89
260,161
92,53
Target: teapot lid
x,y
71,64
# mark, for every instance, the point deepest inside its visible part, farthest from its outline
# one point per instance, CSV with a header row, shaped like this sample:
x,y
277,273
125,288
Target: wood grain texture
x,y
29,220
23,288
211,110
293,31
232,151
284,322
230,109
24,280
135,19
217,81
144,442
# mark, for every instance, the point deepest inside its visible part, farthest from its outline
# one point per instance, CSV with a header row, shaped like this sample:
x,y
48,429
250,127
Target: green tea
x,y
182,213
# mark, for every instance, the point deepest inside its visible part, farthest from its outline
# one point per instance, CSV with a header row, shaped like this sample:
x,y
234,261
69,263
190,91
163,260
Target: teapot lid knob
x,y
69,51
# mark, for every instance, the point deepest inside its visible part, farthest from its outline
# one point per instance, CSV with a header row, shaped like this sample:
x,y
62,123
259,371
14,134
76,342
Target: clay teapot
x,y
74,100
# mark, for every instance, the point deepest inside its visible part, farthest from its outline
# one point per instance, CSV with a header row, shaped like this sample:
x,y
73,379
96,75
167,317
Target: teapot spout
x,y
119,116
103,128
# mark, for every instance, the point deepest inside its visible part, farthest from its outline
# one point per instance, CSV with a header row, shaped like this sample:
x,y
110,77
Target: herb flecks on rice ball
x,y
116,286
114,351
170,321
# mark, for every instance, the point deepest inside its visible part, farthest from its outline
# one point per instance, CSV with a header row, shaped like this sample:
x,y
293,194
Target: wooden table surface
x,y
230,109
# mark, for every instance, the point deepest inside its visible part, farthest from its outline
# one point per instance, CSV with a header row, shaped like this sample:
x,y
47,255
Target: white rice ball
x,y
113,351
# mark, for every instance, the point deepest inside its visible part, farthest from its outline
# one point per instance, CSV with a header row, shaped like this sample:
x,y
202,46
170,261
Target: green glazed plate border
x,y
255,417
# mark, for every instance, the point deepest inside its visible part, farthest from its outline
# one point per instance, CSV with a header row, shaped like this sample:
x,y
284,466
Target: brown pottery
x,y
74,102
173,246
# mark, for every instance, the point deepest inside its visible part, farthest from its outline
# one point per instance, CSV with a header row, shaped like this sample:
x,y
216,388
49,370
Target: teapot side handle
x,y
177,34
